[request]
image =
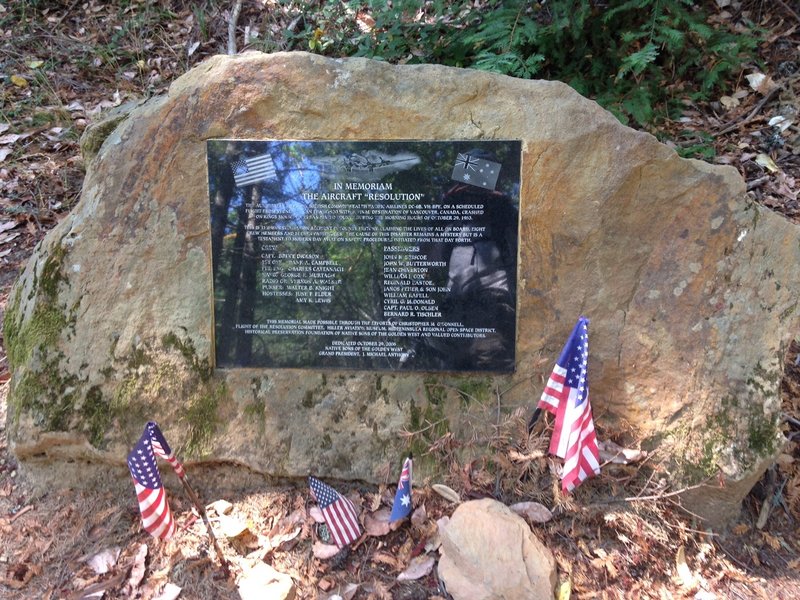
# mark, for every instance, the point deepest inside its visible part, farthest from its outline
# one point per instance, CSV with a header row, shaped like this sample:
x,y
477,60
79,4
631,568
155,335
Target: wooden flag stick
x,y
201,509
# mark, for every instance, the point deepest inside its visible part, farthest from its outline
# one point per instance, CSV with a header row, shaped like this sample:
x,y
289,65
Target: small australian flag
x,y
402,499
476,171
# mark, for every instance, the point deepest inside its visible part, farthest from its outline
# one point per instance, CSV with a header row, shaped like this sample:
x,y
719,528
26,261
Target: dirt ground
x,y
79,58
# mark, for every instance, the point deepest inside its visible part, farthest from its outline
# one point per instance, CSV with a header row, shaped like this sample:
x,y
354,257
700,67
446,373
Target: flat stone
x,y
490,553
263,582
691,289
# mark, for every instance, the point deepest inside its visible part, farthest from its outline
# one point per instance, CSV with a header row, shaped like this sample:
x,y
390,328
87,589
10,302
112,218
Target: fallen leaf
x,y
34,64
442,523
8,237
419,516
519,457
761,83
104,561
349,591
316,514
781,122
326,584
684,572
376,500
564,590
170,592
18,81
365,22
446,493
278,539
4,127
377,524
4,152
192,48
231,527
741,528
324,551
6,225
729,102
773,542
766,162
607,563
611,452
221,507
137,571
538,513
419,567
386,559
20,575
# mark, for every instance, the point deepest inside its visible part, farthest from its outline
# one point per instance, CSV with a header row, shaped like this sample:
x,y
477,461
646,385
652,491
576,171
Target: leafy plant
x,y
629,55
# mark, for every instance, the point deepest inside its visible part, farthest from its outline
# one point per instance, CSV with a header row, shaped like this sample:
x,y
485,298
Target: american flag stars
x,y
156,516
339,512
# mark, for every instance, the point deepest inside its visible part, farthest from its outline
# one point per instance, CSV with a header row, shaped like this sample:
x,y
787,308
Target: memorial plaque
x,y
392,255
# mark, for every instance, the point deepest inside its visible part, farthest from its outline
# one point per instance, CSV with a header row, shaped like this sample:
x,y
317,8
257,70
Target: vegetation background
x,y
715,79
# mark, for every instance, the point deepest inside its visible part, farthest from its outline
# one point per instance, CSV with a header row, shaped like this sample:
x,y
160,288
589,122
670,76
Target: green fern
x,y
620,52
637,62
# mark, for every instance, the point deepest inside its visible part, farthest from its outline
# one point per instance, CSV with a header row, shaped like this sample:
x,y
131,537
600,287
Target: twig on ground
x,y
740,123
756,183
232,27
658,496
20,513
791,420
66,12
497,432
201,509
789,10
667,495
729,555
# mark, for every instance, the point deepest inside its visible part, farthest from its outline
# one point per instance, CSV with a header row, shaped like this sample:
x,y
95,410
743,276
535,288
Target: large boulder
x,y
691,289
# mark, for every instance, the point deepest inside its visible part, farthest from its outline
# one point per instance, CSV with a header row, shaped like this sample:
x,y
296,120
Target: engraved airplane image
x,y
366,166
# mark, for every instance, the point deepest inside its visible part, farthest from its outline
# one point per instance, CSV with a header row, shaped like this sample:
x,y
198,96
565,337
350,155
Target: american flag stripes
x,y
156,516
253,169
340,514
402,499
566,395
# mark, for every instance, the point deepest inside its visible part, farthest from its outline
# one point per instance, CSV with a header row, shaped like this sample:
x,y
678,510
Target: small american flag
x,y
340,514
402,499
566,395
156,516
253,169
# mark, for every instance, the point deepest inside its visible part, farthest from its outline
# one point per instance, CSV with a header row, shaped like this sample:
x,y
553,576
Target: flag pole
x,y
201,509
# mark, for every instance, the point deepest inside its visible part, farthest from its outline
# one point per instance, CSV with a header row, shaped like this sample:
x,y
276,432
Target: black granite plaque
x,y
365,255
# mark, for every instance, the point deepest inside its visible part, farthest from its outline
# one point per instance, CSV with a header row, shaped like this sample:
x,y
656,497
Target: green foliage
x,y
630,55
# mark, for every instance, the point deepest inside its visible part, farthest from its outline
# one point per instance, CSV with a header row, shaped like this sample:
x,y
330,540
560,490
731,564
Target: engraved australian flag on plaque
x,y
476,171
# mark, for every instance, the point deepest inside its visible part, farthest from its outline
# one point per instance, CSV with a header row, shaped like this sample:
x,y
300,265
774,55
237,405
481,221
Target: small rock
x,y
262,581
489,552
221,507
